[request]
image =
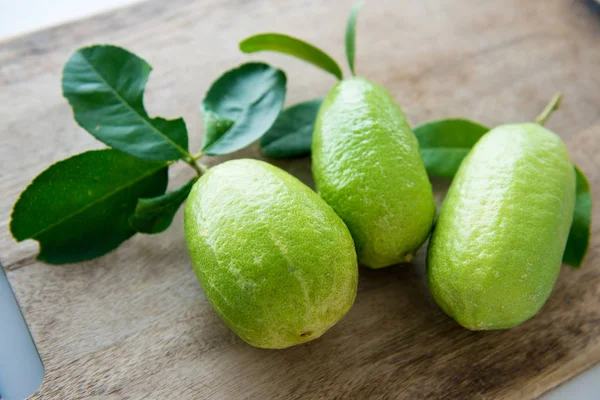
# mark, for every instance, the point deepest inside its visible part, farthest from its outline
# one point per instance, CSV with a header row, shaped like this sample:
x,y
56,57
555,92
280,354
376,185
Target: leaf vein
x,y
146,120
93,203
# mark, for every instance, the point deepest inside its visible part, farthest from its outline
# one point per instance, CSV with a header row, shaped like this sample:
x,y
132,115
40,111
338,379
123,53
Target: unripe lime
x,y
367,166
497,247
275,261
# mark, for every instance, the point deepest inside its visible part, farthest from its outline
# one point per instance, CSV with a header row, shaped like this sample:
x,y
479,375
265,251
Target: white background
x,y
19,17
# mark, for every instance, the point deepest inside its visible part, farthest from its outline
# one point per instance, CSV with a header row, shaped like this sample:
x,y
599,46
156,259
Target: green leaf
x,y
241,106
291,134
351,35
579,235
292,46
215,126
154,215
446,142
105,87
79,208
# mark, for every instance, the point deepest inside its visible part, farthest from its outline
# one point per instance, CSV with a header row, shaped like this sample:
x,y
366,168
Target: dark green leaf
x,y
79,208
351,35
241,106
105,86
154,215
579,235
214,127
291,134
292,46
445,143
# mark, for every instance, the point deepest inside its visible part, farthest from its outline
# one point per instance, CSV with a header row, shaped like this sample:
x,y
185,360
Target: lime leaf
x,y
351,35
579,235
215,126
292,46
241,106
446,142
155,214
291,134
79,208
105,87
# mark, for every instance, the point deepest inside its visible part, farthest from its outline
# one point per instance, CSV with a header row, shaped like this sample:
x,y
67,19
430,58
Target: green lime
x,y
497,247
367,166
275,261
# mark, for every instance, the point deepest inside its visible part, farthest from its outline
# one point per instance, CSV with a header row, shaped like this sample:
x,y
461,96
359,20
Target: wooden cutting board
x,y
135,324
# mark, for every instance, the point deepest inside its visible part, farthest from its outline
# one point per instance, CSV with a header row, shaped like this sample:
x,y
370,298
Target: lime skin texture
x,y
275,261
367,166
497,246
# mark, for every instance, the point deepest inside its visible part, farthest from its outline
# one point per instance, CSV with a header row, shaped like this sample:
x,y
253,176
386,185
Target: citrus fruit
x,y
274,260
497,246
367,166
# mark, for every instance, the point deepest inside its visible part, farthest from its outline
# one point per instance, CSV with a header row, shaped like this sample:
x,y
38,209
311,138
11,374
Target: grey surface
x,y
21,370
582,387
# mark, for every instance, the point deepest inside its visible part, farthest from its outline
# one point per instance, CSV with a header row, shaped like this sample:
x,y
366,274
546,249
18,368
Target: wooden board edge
x,y
550,381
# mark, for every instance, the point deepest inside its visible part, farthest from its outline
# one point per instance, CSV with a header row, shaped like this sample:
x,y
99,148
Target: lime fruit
x,y
275,261
367,166
497,247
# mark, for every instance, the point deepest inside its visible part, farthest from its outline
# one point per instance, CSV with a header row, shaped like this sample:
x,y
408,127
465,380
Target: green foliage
x,y
291,134
241,106
291,46
87,205
154,215
105,87
79,208
351,35
446,142
579,235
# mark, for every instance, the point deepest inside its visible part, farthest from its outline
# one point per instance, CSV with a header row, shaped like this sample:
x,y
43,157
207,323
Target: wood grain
x,y
135,324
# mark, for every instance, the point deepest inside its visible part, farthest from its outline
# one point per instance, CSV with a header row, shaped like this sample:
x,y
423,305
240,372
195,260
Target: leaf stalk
x,y
199,168
553,105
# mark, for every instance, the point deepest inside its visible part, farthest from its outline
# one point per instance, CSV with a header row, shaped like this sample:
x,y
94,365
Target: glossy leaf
x,y
79,208
105,87
154,215
446,142
291,46
291,134
579,235
241,106
351,35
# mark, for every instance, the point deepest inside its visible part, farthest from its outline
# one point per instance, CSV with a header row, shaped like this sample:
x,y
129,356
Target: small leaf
x,y
579,235
79,208
292,46
351,35
154,215
291,134
241,106
446,142
105,87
